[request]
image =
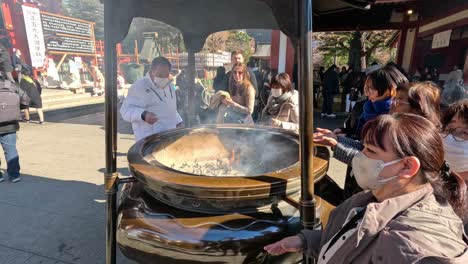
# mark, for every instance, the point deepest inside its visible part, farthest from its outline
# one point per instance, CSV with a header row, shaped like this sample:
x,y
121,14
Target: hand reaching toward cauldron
x,y
228,102
275,122
150,118
325,137
289,244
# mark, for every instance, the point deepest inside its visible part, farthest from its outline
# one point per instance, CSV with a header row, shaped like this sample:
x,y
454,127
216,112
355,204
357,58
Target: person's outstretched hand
x,y
289,244
325,137
338,131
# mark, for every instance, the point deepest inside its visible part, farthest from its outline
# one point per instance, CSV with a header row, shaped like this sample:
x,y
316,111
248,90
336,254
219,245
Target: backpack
x,y
10,99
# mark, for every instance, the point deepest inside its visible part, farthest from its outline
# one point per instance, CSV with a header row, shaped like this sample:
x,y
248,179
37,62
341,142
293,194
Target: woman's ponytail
x,y
454,189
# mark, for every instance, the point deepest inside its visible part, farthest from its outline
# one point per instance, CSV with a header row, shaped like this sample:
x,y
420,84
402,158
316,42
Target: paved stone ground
x,y
56,214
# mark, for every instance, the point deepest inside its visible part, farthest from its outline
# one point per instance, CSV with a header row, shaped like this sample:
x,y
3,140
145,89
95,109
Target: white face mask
x,y
456,154
367,171
276,93
161,82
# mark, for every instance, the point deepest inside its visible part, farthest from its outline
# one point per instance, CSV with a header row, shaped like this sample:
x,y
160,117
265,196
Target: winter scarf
x,y
372,110
274,105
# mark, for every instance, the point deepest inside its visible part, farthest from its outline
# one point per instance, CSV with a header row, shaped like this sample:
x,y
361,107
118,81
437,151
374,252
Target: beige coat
x,y
245,104
411,228
288,114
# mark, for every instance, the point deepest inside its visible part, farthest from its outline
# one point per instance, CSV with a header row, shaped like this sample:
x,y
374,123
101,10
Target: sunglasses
x,y
398,102
460,134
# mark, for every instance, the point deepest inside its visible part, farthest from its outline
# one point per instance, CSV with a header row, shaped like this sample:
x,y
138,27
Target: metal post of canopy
x,y
110,176
191,72
308,217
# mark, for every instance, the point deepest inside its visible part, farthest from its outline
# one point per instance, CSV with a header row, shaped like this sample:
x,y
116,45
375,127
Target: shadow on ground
x,y
46,221
122,171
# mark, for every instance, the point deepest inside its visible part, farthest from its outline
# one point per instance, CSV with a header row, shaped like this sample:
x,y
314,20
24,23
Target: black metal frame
x,y
111,177
306,128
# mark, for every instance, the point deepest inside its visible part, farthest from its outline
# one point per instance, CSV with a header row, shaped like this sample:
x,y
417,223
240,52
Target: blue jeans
x,y
8,142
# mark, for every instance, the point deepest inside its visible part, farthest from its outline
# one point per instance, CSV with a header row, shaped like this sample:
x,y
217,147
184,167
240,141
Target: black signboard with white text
x,y
62,25
68,35
70,44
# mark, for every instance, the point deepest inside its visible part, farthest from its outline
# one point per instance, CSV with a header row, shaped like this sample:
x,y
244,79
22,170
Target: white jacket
x,y
145,96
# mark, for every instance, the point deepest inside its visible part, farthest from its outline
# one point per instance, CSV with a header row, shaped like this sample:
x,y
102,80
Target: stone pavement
x,y
56,214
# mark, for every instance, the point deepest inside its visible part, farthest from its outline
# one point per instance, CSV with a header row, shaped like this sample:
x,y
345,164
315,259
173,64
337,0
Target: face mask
x,y
367,171
456,154
276,93
161,82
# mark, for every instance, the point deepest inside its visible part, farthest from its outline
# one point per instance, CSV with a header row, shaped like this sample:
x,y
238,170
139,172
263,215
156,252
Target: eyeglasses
x,y
460,134
398,102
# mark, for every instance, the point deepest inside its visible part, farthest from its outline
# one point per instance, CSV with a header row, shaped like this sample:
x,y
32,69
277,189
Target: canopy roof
x,y
197,19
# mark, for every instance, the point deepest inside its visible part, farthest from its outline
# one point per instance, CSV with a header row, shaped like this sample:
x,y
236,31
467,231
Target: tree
x,y
215,42
90,10
169,37
239,40
338,44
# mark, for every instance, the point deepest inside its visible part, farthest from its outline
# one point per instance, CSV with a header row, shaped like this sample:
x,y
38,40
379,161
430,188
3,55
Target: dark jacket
x,y
33,89
218,83
5,61
372,110
10,127
258,79
331,82
354,80
17,63
15,60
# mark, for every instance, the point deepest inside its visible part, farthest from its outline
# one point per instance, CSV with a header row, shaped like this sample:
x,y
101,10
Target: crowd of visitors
x,y
413,203
406,184
350,85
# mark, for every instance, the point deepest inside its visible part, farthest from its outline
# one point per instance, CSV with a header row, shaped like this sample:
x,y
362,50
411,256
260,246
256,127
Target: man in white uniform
x,y
151,104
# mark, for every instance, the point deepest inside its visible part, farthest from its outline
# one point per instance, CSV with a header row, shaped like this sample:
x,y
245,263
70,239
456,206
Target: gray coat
x,y
411,228
5,61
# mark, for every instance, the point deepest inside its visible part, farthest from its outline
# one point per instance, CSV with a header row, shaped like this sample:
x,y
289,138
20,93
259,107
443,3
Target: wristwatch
x,y
143,115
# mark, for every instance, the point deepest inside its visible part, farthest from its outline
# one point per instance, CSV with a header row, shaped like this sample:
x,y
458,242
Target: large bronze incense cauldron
x,y
212,194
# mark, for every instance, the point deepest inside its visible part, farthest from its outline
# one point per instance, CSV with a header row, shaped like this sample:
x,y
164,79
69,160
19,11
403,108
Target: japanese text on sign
x,y
65,44
441,39
33,25
62,25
